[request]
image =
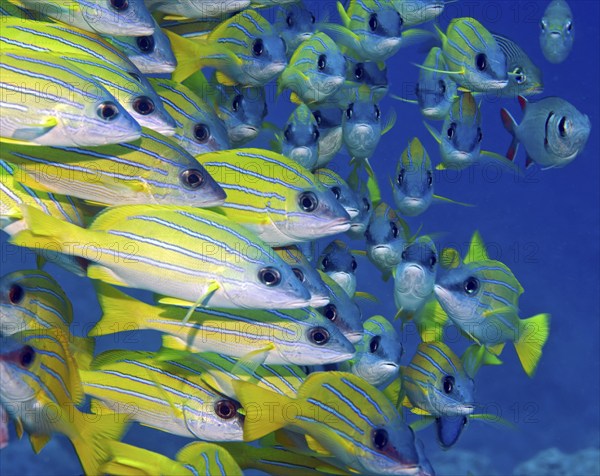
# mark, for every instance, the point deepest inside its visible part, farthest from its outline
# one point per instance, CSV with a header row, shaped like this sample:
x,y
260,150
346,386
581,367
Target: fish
x,y
198,128
359,224
362,125
415,12
474,59
329,122
153,169
480,296
41,390
342,191
342,310
524,77
557,32
414,277
194,256
552,131
386,237
339,264
300,139
152,54
304,271
435,89
342,415
274,197
315,72
377,358
300,336
413,188
97,58
294,24
113,17
436,383
370,73
69,109
245,50
164,395
197,8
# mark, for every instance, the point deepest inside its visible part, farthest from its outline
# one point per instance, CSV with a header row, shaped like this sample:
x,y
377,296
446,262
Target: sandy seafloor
x,y
543,225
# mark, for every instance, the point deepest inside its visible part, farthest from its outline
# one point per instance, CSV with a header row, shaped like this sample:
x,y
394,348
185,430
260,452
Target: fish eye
x,y
481,61
299,274
359,71
308,201
442,86
374,344
569,26
377,112
451,130
265,110
26,356
394,229
404,255
563,126
225,409
322,62
316,134
119,5
354,265
350,110
287,134
16,294
429,179
519,76
543,25
201,133
471,285
290,20
258,47
107,111
325,262
432,261
401,20
330,312
318,117
448,383
135,76
284,44
400,178
380,438
146,44
237,102
479,134
143,105
366,205
337,192
191,178
312,19
319,336
269,276
373,23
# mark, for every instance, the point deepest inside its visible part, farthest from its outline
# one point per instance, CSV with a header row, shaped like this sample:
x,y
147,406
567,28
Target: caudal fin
x,y
533,333
510,125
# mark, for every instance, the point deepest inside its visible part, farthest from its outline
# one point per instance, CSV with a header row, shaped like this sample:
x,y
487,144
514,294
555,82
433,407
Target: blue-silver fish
x,y
341,190
300,139
329,122
340,265
556,31
524,77
415,12
294,23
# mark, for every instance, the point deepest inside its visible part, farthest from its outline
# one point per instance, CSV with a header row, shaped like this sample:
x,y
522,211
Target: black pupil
x,y
373,23
448,384
146,43
258,47
367,205
269,277
318,117
320,336
377,112
481,61
479,135
442,87
201,132
287,134
15,294
380,439
325,263
107,110
308,202
192,178
354,265
312,18
451,130
394,229
322,62
299,274
359,72
143,105
404,255
225,409
374,345
471,285
290,21
429,179
331,312
316,133
119,4
432,261
562,126
27,356
236,102
401,177
337,192
349,111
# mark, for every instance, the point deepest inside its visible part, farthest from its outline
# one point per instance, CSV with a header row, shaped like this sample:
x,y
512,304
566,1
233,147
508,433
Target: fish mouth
x,y
339,226
319,301
496,84
164,130
241,133
352,212
413,200
555,34
442,293
340,358
353,337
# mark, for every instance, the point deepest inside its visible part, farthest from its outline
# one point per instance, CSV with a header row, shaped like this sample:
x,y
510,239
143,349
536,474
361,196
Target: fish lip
x,y
413,199
341,358
354,337
164,130
339,226
319,301
352,212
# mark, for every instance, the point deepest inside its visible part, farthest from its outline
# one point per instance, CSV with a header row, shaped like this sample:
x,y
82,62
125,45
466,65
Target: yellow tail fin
x,y
533,333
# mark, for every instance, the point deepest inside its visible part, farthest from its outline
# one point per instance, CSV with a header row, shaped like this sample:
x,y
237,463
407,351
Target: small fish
x,y
294,23
474,58
556,31
152,54
436,383
414,276
274,197
524,77
301,337
197,8
413,188
552,131
316,70
342,310
359,224
340,265
300,140
372,74
198,128
415,12
112,17
329,122
164,395
197,257
344,416
192,459
153,169
304,271
362,125
342,191
386,237
41,390
377,359
70,109
245,49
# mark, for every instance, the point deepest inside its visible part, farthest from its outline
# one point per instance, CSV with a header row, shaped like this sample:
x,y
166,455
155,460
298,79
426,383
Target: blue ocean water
x,y
545,225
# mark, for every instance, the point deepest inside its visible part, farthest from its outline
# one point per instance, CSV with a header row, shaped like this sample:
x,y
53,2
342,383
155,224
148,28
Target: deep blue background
x,y
544,226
